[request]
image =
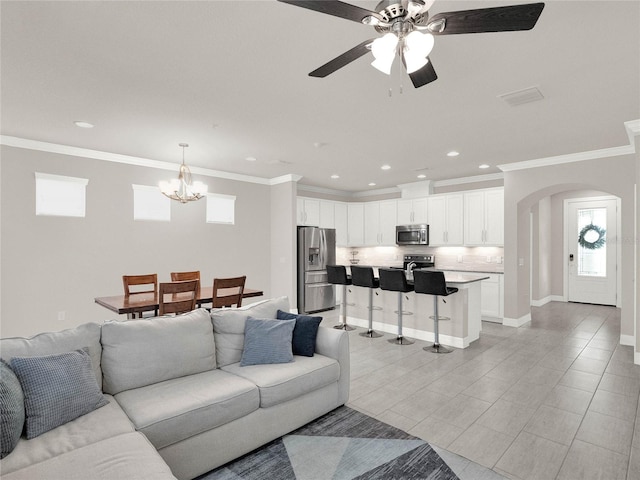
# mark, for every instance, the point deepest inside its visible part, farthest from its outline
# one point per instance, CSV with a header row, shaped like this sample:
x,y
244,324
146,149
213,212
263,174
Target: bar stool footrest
x,y
440,318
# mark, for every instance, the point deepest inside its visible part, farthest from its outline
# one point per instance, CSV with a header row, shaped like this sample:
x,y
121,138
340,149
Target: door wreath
x,y
592,237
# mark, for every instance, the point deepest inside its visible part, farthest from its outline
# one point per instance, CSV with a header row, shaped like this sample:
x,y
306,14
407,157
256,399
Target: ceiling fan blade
x,y
425,75
342,60
336,8
498,19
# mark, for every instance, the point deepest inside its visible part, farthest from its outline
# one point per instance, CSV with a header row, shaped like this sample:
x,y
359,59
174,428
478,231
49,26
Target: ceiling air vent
x,y
522,96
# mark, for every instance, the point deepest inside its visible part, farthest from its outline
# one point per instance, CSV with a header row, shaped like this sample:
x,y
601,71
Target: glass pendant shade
x,y
384,51
182,188
417,47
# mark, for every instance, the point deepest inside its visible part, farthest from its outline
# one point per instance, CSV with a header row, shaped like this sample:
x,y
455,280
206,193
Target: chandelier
x,y
182,188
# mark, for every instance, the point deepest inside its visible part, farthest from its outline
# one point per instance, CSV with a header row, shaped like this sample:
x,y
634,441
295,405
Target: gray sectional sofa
x,y
180,404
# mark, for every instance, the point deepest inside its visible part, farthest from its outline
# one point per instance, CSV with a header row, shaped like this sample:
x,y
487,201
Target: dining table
x,y
137,303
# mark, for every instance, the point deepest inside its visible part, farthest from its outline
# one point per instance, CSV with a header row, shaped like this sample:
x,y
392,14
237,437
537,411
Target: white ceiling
x,y
230,78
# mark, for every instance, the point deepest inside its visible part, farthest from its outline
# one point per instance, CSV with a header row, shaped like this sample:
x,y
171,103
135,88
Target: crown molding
x,y
475,179
632,127
126,159
284,179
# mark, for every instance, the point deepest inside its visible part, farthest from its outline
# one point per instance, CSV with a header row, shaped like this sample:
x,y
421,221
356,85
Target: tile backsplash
x,y
487,259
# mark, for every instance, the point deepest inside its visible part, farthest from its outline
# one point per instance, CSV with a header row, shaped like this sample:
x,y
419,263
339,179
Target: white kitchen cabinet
x,y
484,217
492,298
379,223
355,221
412,211
341,224
327,214
308,211
446,221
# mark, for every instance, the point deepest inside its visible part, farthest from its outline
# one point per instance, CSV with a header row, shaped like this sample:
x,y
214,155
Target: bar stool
x,y
337,274
363,277
395,280
433,283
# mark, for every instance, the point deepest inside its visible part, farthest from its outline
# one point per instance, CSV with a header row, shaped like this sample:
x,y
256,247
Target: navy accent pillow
x,y
11,409
267,341
57,389
305,333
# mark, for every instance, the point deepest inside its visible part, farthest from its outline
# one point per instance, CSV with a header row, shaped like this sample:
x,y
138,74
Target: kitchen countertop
x,y
450,276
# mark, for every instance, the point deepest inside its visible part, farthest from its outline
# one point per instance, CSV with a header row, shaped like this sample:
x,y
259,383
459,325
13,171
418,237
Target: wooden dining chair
x,y
182,276
228,298
141,281
181,297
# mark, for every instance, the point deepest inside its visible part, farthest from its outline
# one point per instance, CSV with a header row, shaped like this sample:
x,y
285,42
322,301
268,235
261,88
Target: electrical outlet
x,y
488,259
521,262
459,258
61,315
498,260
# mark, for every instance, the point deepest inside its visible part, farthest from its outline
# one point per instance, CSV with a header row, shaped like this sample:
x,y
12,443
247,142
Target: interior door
x,y
592,251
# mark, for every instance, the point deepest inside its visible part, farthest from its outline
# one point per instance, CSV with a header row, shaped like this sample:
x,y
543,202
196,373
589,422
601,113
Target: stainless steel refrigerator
x,y
316,250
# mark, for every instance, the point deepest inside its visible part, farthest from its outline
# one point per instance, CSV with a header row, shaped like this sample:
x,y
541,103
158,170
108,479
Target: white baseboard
x,y
517,322
636,358
541,302
628,340
558,298
447,340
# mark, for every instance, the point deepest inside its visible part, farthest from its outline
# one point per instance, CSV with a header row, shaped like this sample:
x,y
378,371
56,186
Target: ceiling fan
x,y
402,23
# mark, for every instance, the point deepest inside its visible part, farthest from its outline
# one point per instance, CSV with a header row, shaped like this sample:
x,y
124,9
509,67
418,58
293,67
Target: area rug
x,y
342,445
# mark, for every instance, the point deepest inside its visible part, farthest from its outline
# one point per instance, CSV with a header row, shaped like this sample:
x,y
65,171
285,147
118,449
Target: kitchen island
x,y
463,307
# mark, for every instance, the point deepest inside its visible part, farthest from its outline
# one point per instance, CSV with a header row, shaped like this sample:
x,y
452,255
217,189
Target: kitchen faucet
x,y
411,266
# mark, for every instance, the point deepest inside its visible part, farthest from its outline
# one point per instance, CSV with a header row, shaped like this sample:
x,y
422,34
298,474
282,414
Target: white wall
x,y
524,188
54,264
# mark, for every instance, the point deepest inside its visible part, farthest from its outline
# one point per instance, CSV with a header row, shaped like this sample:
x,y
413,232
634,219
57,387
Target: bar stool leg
x,y
343,325
436,347
400,339
370,332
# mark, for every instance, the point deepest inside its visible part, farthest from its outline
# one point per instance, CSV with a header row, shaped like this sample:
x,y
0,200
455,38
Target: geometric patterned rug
x,y
342,445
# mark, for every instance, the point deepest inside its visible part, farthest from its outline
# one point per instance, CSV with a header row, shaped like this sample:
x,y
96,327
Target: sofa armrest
x,y
335,344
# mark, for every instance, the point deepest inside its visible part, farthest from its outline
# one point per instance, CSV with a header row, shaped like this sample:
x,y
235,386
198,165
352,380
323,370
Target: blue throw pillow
x,y
11,409
57,389
305,333
267,341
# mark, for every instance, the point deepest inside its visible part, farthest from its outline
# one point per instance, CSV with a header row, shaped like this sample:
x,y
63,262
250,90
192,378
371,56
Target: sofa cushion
x,y
267,341
129,455
11,409
176,409
284,381
142,352
106,422
305,333
86,335
57,389
228,326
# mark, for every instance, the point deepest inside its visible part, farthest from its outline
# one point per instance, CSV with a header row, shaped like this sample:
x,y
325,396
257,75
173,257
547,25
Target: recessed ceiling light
x,y
422,175
453,153
385,167
320,144
83,124
335,176
484,165
372,184
251,159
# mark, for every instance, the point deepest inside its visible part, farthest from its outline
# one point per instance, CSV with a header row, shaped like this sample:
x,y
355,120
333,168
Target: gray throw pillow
x,y
57,389
267,341
305,333
11,409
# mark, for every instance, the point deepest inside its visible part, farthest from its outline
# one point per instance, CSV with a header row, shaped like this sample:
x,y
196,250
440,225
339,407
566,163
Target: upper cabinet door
x,y
455,219
308,211
437,221
420,210
484,217
405,212
355,216
372,223
341,224
327,214
412,211
494,217
388,222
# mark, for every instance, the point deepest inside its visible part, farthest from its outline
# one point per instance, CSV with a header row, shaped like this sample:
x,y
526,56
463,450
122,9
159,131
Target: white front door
x,y
592,256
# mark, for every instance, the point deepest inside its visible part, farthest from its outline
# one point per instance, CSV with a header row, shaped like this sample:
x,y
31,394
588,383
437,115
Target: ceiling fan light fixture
x,y
416,48
384,51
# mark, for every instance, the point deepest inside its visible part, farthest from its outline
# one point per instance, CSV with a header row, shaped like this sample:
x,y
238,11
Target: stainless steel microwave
x,y
412,234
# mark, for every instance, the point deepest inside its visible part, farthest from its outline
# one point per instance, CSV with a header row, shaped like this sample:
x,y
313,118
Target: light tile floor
x,y
554,399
